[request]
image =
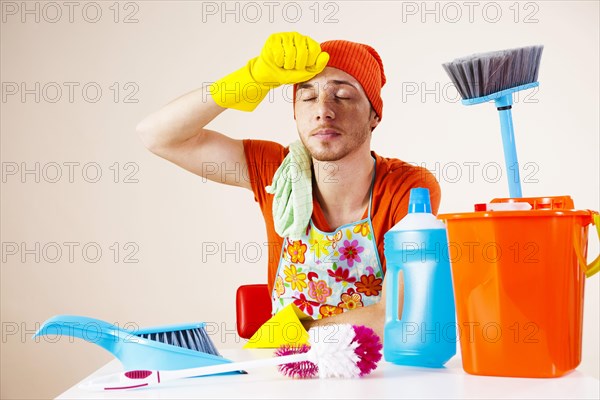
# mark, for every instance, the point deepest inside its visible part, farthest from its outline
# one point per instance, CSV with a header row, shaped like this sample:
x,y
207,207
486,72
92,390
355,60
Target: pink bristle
x,y
302,369
368,350
287,349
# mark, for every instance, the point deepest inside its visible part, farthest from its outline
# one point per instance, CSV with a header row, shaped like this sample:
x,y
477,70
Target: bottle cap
x,y
419,201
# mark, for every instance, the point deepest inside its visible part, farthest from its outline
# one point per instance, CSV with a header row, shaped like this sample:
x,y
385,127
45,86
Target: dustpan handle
x,y
593,267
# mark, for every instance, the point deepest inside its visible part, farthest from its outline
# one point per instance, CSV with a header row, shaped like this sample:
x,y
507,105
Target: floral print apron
x,y
328,273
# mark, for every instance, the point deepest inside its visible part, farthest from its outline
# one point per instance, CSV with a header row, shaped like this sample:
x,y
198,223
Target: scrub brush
x,y
496,76
349,352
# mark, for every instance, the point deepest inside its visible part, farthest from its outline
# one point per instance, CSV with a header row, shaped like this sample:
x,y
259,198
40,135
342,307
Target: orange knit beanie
x,y
362,62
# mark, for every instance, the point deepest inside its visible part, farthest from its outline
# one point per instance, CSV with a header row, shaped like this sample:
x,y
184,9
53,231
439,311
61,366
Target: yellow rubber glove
x,y
286,58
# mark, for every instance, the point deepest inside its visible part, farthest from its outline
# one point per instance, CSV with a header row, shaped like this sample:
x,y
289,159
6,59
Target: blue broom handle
x,y
508,142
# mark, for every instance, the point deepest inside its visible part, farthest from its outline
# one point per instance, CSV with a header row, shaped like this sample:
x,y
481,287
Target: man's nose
x,y
325,107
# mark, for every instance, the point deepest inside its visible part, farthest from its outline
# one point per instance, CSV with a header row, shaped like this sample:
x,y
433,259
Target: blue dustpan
x,y
161,348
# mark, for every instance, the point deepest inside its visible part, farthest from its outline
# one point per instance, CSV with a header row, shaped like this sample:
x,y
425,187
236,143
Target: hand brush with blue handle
x,y
483,77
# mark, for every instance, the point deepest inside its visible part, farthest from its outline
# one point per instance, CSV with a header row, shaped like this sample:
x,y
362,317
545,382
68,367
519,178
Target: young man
x,y
327,220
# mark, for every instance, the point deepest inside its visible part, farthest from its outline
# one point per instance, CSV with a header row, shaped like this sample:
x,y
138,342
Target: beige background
x,y
166,218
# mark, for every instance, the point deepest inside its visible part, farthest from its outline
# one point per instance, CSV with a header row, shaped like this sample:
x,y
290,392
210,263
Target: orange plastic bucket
x,y
519,279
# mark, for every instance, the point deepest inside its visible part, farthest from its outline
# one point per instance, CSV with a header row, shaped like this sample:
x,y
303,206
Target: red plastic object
x,y
481,207
253,308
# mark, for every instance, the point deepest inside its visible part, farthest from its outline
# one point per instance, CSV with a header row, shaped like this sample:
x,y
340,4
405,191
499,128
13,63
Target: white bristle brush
x,y
336,351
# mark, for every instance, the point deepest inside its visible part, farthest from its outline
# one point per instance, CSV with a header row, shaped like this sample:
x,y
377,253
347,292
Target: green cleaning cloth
x,y
292,187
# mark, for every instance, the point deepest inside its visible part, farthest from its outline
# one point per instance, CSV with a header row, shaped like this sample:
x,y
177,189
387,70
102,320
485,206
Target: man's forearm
x,y
372,316
179,120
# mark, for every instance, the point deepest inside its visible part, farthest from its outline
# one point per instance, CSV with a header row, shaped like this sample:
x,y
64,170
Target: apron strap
x,y
371,190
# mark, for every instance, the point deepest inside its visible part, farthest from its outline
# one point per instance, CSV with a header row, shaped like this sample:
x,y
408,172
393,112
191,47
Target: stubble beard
x,y
327,152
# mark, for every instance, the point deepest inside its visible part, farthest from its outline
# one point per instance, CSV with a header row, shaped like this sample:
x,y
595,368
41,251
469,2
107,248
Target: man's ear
x,y
374,120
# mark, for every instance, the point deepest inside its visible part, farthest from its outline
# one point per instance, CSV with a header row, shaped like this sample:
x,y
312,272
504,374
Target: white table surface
x,y
388,381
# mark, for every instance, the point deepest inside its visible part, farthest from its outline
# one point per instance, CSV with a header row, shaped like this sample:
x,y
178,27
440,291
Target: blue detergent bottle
x,y
420,328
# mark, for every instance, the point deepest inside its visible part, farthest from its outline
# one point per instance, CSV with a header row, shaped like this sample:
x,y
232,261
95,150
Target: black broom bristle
x,y
192,338
482,74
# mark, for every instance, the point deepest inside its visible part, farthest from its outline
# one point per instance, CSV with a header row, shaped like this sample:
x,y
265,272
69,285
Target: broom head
x,y
483,74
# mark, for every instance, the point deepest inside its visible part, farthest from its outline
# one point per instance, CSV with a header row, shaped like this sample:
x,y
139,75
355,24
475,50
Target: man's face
x,y
333,115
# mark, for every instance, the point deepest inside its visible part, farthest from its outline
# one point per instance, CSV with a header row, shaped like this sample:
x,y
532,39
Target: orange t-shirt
x,y
393,180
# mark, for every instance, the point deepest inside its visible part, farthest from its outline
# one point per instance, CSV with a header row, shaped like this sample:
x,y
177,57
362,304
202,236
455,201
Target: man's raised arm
x,y
177,131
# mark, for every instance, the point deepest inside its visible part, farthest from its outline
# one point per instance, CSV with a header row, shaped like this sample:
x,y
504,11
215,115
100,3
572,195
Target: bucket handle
x,y
593,267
